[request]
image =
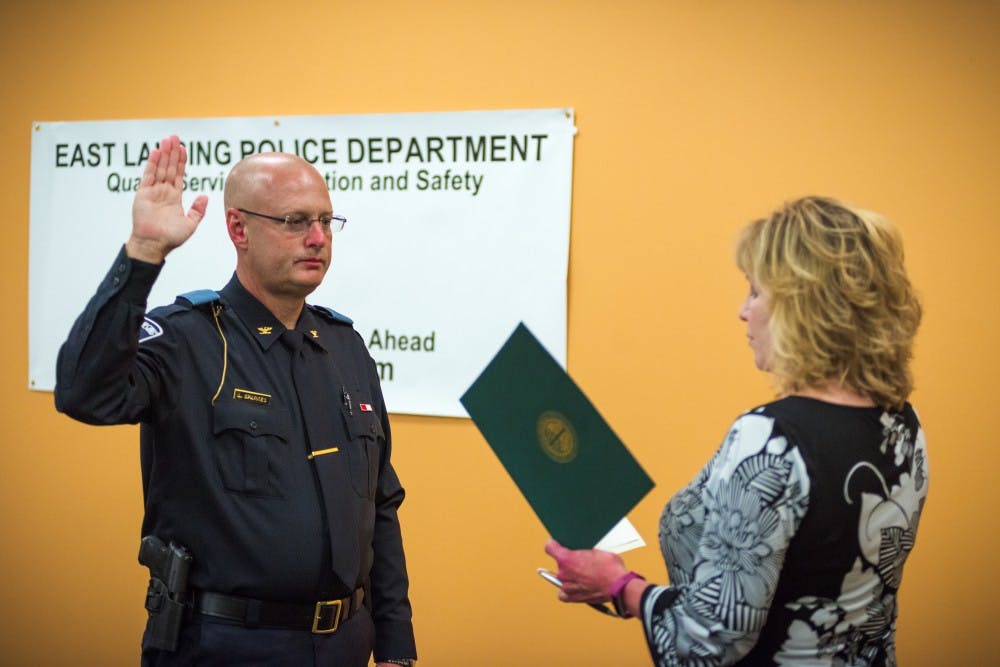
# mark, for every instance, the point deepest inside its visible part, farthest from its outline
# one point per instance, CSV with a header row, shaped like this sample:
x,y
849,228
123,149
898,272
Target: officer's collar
x,y
261,322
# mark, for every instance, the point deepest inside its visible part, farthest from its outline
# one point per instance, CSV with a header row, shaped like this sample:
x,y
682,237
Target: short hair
x,y
842,307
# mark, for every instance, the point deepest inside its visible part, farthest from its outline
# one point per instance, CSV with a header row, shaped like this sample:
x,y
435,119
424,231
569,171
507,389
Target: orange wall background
x,y
693,118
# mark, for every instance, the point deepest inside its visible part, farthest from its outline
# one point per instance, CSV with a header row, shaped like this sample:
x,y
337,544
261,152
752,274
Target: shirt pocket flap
x,y
251,419
364,425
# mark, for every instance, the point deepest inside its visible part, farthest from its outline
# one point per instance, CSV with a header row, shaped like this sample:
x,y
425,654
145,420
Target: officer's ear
x,y
236,225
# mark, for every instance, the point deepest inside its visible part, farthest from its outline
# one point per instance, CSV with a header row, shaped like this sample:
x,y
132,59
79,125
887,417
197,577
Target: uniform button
x,y
253,425
116,280
371,427
121,268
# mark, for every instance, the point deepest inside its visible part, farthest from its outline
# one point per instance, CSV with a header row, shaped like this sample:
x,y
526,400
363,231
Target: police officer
x,y
265,443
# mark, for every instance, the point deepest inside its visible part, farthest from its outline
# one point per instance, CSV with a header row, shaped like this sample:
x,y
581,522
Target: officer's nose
x,y
317,235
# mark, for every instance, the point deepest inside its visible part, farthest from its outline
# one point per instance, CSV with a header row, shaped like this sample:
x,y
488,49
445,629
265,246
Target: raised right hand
x,y
159,223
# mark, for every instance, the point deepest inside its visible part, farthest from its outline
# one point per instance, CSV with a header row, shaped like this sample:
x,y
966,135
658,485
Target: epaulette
x,y
198,297
332,314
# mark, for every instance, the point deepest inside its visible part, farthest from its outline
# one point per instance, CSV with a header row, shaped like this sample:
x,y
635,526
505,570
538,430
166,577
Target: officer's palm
x,y
157,212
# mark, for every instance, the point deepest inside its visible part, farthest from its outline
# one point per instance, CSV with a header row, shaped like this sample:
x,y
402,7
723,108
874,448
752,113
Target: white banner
x,y
458,229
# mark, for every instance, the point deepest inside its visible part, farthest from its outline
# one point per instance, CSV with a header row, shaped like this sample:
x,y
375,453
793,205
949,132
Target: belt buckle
x,y
320,606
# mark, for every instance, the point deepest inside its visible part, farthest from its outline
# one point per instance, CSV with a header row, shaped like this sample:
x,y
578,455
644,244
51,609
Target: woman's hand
x,y
586,574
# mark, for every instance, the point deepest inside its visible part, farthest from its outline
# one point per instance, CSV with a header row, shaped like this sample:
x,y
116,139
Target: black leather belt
x,y
320,618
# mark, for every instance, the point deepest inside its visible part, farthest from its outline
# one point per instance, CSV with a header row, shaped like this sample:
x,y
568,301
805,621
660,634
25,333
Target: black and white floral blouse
x,y
788,547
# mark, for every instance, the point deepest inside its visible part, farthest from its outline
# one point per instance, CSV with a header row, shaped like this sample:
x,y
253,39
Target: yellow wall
x,y
692,118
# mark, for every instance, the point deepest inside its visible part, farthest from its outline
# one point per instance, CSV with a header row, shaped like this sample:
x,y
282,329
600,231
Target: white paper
x,y
623,537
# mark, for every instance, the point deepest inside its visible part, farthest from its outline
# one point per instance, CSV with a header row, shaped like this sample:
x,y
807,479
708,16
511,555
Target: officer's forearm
x,y
391,610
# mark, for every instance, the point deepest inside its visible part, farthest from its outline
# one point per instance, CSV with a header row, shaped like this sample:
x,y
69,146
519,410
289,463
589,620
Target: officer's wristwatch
x,y
406,662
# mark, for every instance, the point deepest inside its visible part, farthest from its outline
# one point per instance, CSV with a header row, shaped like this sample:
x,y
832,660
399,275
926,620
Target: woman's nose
x,y
743,311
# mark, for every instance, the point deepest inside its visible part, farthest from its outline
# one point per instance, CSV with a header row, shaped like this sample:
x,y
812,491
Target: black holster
x,y
167,598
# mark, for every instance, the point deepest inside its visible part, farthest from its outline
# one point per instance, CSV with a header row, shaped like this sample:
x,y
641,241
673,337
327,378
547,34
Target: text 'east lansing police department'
x,y
459,150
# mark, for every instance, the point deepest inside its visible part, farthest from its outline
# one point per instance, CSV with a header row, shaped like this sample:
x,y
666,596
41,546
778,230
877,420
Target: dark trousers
x,y
207,643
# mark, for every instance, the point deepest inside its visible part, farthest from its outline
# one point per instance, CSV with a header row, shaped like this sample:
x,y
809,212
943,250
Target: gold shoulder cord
x,y
216,309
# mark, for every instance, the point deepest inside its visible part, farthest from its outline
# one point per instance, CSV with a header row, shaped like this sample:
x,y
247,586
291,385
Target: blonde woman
x,y
788,547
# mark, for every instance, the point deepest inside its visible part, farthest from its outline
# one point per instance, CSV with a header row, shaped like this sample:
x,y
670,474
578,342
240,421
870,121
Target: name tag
x,y
252,396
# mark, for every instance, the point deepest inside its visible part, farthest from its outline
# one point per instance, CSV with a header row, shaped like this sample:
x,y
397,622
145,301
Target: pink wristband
x,y
621,582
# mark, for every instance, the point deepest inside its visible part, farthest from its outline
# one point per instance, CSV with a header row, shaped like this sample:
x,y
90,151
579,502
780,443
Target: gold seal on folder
x,y
556,437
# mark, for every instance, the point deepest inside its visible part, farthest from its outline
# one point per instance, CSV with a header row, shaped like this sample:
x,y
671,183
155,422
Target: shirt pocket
x,y
249,442
364,451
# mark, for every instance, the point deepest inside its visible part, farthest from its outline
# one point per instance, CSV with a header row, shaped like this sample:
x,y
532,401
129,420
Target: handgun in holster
x,y
167,596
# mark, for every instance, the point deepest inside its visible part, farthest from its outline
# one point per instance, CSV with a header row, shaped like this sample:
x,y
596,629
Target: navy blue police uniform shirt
x,y
271,481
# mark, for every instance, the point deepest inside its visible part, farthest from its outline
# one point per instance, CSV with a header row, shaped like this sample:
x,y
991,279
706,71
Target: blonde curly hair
x,y
842,307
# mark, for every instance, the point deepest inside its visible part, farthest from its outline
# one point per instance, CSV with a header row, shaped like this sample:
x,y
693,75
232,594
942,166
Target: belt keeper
x,y
252,617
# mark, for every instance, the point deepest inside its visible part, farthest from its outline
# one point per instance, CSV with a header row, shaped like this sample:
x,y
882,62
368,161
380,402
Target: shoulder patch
x,y
330,313
149,330
199,297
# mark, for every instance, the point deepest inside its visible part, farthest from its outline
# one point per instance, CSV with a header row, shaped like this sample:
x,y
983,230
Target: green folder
x,y
573,470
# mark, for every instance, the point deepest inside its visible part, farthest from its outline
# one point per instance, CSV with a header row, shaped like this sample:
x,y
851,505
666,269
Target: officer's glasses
x,y
299,223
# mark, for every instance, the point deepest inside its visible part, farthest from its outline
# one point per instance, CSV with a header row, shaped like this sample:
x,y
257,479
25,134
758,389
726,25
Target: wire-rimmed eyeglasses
x,y
299,223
